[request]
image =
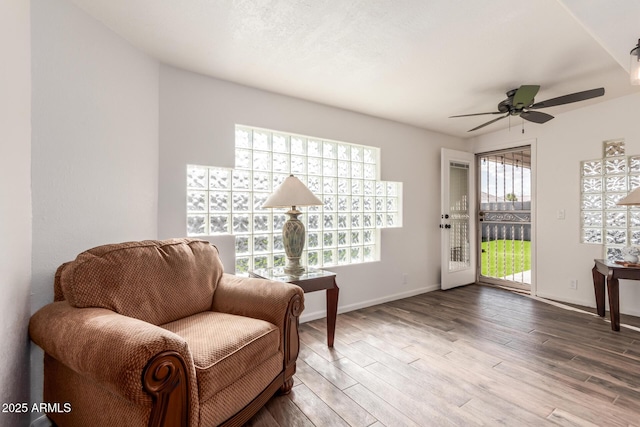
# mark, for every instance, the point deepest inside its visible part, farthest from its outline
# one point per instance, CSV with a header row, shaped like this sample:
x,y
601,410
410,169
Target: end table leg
x,y
598,286
614,303
332,311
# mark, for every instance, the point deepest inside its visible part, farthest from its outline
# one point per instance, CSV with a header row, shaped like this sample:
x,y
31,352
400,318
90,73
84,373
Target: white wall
x,y
95,143
15,205
562,144
197,119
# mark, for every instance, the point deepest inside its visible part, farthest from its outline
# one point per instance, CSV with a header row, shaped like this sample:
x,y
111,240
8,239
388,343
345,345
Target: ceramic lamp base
x,y
293,236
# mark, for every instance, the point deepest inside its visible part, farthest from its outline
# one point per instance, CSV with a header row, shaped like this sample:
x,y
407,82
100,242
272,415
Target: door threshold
x,y
505,287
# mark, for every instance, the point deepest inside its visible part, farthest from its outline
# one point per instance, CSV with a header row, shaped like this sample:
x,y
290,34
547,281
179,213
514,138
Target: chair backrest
x,y
157,281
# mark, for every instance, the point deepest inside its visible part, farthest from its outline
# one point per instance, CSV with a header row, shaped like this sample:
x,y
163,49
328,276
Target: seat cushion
x,y
225,346
157,281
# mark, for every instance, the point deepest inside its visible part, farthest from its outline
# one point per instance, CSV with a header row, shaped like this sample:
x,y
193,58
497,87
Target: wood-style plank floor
x,y
469,356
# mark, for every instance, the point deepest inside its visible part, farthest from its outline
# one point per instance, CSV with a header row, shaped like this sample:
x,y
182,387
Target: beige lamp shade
x,y
292,192
632,199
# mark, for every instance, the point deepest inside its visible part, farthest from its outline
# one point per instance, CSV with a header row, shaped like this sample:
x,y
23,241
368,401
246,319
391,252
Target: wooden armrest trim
x,y
292,340
165,379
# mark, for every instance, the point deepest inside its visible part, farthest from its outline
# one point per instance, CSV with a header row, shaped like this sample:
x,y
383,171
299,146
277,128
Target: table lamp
x,y
290,194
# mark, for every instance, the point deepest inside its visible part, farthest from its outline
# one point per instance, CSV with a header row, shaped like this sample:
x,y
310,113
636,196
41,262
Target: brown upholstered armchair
x,y
153,333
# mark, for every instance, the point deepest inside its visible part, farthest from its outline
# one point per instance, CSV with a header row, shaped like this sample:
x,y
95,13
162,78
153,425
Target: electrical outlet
x,y
405,278
573,283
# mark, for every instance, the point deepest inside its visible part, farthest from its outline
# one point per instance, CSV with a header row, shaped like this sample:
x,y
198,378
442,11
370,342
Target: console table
x,y
612,272
310,281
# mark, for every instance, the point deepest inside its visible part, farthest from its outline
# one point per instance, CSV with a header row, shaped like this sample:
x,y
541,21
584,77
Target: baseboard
x,y
586,303
307,317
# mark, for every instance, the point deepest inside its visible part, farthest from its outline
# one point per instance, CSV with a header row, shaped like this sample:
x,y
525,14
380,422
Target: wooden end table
x,y
310,281
612,272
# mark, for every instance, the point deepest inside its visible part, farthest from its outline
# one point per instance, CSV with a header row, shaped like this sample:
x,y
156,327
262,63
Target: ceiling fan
x,y
520,102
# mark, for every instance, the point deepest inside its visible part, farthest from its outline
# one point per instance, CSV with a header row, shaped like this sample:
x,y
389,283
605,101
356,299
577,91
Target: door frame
x,y
487,148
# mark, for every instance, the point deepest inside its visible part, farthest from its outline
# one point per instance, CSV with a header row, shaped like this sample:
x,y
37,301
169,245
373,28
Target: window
x,y
604,182
345,230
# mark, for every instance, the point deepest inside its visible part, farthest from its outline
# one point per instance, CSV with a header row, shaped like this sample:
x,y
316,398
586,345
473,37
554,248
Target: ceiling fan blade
x,y
567,99
524,95
475,114
536,116
488,123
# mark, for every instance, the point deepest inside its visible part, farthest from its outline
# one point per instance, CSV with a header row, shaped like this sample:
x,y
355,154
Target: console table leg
x,y
598,286
332,311
614,303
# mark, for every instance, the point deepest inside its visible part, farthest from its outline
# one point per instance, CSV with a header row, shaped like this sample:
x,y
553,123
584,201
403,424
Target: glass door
x,y
457,219
504,217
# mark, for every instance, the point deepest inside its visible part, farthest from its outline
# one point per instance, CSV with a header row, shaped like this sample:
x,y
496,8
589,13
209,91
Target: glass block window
x,y
604,182
345,230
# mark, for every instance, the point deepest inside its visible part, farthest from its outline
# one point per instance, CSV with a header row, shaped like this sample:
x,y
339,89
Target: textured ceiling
x,y
412,61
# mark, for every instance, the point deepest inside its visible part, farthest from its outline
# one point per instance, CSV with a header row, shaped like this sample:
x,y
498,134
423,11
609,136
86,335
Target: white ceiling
x,y
412,61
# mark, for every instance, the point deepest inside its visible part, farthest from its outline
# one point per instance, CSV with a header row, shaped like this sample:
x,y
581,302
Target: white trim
x,y
548,296
307,317
586,303
567,307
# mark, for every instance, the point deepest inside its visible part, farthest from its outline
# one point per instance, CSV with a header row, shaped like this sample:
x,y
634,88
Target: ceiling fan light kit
x,y
634,69
521,101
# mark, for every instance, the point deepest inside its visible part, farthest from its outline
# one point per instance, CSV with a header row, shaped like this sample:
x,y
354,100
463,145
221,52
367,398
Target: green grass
x,y
506,252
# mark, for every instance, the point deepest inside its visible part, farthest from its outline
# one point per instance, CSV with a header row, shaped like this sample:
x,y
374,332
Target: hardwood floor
x,y
468,356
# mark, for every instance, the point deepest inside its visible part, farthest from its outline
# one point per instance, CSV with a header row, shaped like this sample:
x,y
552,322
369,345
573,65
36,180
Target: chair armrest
x,y
106,347
258,298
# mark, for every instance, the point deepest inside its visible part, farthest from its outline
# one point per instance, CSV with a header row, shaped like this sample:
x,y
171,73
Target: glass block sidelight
x,y
614,253
196,201
611,200
592,168
242,245
592,185
344,230
219,179
615,184
220,224
313,258
616,219
616,236
614,148
603,183
592,235
196,225
634,164
615,166
280,143
298,145
591,201
219,201
197,177
279,260
592,219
